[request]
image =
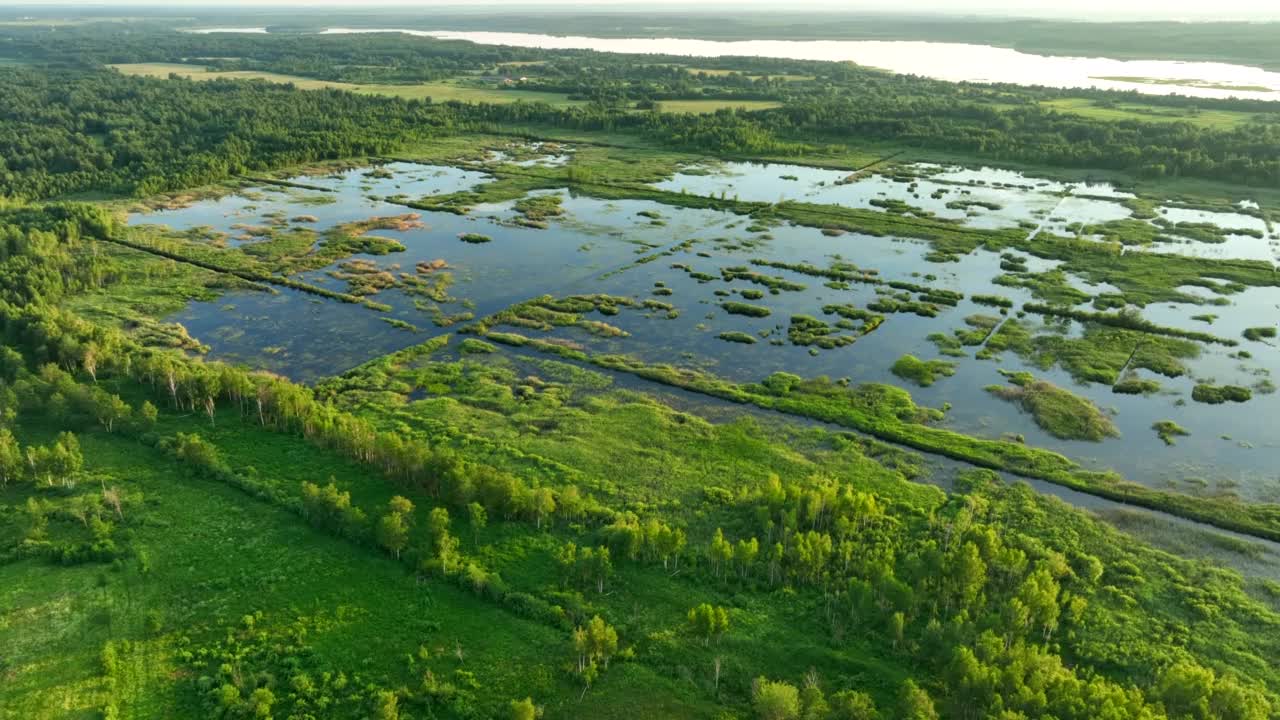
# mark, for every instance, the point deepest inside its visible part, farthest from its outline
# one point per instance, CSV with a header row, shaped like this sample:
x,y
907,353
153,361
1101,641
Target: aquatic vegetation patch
x,y
474,346
737,337
1052,286
840,271
894,206
536,210
474,238
1011,262
364,277
1128,321
1169,431
548,312
399,324
1100,353
925,305
899,304
243,267
1145,277
805,331
922,372
427,267
980,328
967,204
740,308
1132,384
1203,231
282,249
1260,333
1059,412
1153,229
868,320
658,305
1211,394
773,283
948,345
399,223
602,329
992,300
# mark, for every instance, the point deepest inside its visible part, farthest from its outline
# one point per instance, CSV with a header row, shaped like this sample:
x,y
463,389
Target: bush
x,y
1219,394
472,346
738,308
921,372
1258,333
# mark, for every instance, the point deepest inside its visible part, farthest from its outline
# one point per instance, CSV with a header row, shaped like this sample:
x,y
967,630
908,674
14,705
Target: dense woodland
x,y
138,137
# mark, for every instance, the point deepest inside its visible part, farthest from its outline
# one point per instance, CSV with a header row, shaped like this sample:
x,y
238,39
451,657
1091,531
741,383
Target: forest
x,y
505,510
49,151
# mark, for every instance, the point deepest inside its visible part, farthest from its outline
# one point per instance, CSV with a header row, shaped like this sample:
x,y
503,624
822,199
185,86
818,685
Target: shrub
x,y
1218,394
737,308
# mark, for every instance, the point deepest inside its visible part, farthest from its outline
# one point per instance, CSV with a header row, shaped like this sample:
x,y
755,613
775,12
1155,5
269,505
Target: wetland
x,y
720,280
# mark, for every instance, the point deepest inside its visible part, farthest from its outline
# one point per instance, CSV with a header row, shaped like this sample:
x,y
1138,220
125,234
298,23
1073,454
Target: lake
x,y
956,62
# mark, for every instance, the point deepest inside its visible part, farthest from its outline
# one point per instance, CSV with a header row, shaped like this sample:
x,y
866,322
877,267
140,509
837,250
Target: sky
x,y
1081,9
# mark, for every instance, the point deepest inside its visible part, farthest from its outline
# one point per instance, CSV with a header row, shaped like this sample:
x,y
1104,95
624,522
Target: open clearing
x,y
438,91
1225,119
709,106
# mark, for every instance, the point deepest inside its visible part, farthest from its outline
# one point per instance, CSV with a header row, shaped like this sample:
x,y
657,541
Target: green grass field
x,y
438,91
721,72
709,106
215,554
1223,119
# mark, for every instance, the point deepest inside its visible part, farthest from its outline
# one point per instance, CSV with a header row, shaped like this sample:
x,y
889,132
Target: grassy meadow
x,y
437,91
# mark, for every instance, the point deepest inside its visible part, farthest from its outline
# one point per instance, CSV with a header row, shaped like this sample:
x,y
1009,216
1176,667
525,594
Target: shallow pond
x,y
987,198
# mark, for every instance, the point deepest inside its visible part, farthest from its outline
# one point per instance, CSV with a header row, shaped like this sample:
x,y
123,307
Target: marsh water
x,y
594,248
